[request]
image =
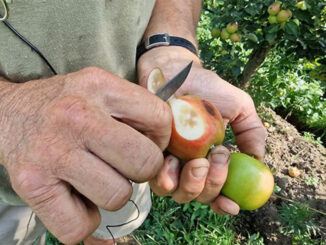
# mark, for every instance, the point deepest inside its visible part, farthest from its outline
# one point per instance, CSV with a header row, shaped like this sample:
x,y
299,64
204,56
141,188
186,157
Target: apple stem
x,y
289,200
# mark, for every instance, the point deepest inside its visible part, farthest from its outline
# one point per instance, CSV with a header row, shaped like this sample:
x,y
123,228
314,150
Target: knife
x,y
168,89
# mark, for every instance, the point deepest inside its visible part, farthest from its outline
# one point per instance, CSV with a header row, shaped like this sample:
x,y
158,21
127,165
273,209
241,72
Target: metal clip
x,y
5,15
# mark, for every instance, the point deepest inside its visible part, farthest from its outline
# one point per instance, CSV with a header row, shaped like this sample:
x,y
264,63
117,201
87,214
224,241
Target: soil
x,y
286,148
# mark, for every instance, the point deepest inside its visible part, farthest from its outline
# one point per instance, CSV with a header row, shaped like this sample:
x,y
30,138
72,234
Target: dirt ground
x,y
285,148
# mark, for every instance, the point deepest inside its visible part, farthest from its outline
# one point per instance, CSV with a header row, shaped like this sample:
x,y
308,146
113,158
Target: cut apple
x,y
197,126
156,80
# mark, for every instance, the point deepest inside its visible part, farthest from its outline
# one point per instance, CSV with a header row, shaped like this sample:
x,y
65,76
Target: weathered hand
x,y
72,142
236,107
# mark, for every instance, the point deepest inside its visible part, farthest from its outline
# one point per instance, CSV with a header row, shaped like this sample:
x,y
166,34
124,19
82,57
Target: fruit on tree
x,y
272,19
284,15
235,37
297,22
301,5
249,183
225,34
274,8
215,32
197,126
232,27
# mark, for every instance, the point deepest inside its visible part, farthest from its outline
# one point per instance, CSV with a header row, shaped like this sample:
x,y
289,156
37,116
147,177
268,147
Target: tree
x,y
297,26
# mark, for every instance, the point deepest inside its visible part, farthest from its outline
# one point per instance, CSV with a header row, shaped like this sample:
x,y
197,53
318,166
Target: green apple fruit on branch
x,y
274,8
284,15
272,19
215,32
225,34
232,27
235,37
198,126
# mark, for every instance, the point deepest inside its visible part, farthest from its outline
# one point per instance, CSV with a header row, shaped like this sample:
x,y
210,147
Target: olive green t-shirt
x,y
72,35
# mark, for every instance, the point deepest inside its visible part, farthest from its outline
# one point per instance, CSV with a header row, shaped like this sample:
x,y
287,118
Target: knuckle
x,y
162,117
93,71
214,184
69,110
150,165
80,231
26,183
189,191
119,198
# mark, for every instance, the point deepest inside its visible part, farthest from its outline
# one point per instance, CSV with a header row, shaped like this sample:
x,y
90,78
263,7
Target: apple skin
x,y
214,131
215,33
225,34
284,15
232,27
272,19
249,183
235,37
274,8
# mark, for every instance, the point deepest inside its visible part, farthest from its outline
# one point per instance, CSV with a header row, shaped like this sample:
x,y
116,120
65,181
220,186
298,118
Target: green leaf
x,y
272,28
270,36
253,37
292,28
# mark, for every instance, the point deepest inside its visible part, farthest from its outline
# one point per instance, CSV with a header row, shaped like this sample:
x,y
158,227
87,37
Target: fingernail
x,y
220,159
199,172
173,163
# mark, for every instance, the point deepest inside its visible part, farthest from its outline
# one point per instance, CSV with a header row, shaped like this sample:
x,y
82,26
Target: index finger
x,y
135,106
250,135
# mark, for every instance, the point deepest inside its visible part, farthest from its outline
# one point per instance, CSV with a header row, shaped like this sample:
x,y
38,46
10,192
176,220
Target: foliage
x,y
297,221
284,81
191,223
293,76
303,35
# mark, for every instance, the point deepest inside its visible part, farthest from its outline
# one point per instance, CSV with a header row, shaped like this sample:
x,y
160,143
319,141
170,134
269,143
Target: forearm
x,y
175,17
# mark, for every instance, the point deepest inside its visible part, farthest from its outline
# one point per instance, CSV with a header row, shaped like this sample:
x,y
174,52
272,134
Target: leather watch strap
x,y
163,39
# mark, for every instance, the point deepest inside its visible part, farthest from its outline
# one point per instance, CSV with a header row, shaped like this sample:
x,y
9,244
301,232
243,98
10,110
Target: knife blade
x,y
168,89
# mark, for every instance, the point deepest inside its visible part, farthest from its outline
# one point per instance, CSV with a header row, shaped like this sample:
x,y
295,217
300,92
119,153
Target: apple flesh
x,y
197,126
156,80
249,183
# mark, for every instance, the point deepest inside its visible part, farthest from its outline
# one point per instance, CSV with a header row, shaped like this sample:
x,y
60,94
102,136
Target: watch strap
x,y
163,39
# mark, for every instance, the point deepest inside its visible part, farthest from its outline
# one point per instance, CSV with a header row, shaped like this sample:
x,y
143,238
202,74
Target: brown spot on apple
x,y
209,108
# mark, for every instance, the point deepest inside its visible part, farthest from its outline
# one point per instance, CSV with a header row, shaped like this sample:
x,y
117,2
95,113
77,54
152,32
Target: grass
x,y
191,223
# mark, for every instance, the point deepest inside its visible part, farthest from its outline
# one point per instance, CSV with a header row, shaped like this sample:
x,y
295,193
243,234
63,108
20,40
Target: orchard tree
x,y
247,30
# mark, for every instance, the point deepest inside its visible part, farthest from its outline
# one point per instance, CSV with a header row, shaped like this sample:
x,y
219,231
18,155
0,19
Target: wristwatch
x,y
164,39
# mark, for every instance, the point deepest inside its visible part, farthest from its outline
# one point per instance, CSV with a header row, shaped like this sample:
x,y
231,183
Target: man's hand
x,y
202,179
72,142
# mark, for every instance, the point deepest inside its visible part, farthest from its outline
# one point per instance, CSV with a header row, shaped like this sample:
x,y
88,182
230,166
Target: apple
x,y
215,32
249,183
272,19
235,37
274,8
197,126
224,34
301,5
156,80
284,15
232,27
